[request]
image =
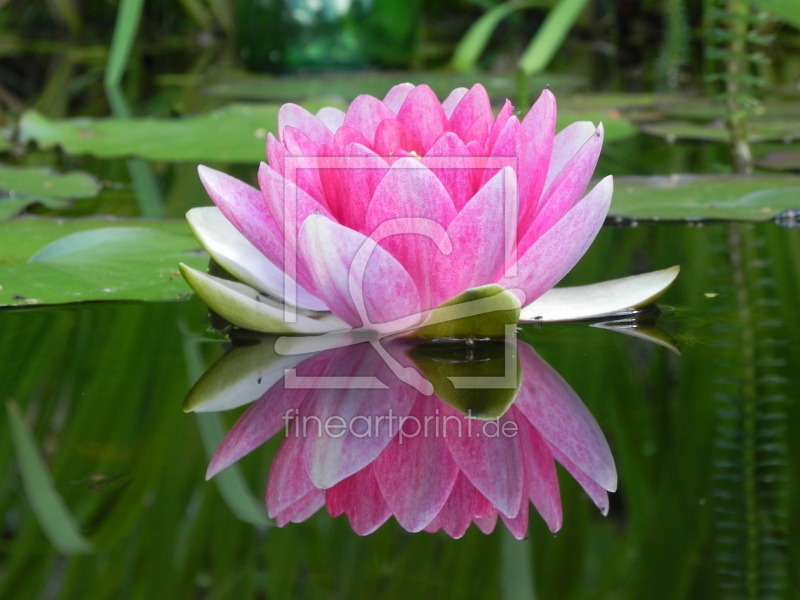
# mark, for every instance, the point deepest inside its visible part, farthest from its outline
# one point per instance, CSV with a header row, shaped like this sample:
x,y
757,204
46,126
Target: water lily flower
x,y
373,452
372,217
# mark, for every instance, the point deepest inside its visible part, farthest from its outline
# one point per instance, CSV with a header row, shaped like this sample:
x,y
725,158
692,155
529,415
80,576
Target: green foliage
x,y
53,261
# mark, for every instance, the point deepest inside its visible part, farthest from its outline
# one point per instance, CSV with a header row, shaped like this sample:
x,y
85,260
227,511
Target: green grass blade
x,y
127,24
52,514
471,46
550,36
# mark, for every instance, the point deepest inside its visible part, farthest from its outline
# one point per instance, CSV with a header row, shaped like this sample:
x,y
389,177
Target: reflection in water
x,y
365,437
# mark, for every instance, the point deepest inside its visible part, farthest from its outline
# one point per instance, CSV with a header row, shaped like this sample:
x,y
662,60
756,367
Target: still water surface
x,y
701,438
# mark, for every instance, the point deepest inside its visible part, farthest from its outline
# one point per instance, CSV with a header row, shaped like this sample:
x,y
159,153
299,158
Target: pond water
x,y
699,427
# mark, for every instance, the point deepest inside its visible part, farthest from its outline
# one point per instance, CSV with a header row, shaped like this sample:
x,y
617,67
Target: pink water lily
x,y
376,452
371,217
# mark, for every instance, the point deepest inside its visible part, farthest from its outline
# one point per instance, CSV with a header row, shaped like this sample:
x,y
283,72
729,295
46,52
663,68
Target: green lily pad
x,y
349,85
21,187
236,133
46,261
778,130
681,197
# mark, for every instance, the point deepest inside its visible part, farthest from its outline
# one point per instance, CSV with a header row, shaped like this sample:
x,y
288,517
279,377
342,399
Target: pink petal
x,y
541,480
451,161
307,178
302,509
345,136
261,421
449,104
411,201
473,108
392,137
487,522
518,524
396,96
567,187
245,208
597,493
276,154
482,235
333,118
460,508
535,148
288,481
422,114
292,115
351,182
554,254
492,463
504,151
562,420
333,256
505,113
365,114
566,144
415,472
359,496
290,206
351,426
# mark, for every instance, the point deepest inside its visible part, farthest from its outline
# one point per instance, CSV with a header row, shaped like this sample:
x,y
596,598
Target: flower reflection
x,y
360,441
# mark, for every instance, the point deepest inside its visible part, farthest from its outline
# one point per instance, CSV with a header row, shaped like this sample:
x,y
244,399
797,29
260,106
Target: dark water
x,y
707,464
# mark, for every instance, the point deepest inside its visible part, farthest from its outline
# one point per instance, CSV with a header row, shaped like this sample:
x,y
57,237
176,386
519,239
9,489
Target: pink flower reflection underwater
x,y
374,450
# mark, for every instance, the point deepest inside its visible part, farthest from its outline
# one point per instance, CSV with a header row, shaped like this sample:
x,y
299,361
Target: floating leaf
x,y
758,131
21,187
236,133
349,85
680,197
44,500
122,260
41,181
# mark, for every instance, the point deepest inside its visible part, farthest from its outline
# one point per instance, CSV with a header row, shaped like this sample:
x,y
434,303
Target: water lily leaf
x,y
42,496
600,299
42,181
680,197
21,187
236,133
782,159
776,130
349,85
131,260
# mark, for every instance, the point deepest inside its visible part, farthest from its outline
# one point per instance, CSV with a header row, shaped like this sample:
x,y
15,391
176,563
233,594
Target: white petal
x,y
240,258
247,308
600,299
241,376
